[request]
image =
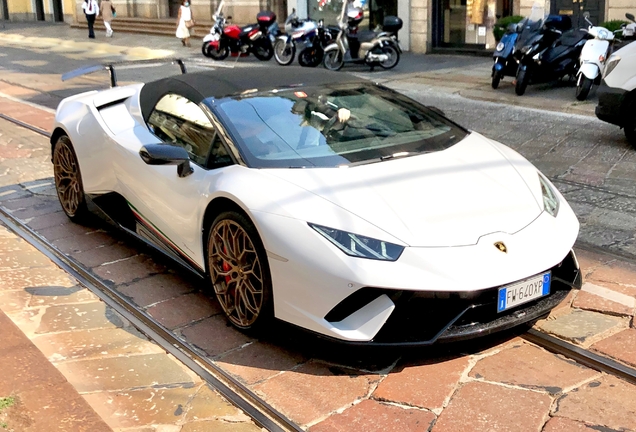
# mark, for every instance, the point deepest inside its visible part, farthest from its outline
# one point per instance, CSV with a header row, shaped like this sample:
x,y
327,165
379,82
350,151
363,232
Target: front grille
x,y
425,317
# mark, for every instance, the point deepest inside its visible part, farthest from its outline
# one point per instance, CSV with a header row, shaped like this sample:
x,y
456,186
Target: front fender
x,y
331,47
589,70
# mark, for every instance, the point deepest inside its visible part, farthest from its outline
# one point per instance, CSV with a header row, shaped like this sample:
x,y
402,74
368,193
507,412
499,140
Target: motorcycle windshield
x,y
532,25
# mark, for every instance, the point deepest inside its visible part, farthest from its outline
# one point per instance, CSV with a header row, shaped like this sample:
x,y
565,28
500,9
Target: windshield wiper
x,y
395,155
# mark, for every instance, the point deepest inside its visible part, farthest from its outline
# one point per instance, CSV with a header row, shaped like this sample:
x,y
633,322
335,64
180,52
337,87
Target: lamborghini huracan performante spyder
x,y
321,200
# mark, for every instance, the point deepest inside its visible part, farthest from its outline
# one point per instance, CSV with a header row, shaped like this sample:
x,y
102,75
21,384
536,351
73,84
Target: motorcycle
x,y
225,38
309,36
593,57
313,51
547,49
629,30
505,64
366,47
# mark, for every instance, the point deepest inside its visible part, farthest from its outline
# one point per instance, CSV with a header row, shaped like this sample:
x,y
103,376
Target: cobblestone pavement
x,y
494,384
317,385
130,382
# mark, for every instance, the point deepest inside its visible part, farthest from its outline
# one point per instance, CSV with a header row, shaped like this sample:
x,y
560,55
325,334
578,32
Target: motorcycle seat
x,y
573,37
365,36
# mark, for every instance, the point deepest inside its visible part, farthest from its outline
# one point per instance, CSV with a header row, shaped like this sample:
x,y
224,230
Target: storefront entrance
x,y
576,8
466,24
374,11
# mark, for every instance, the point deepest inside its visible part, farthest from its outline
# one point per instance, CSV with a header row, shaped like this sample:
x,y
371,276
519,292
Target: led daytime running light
x,y
360,246
550,198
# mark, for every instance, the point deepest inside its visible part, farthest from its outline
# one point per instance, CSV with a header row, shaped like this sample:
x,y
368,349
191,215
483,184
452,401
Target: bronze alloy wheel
x,y
68,180
238,270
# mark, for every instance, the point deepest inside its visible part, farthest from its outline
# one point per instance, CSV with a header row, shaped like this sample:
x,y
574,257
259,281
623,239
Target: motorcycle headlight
x,y
611,65
550,198
360,246
500,46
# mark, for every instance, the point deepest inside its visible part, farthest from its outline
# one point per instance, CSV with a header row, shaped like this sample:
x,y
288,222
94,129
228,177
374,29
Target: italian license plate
x,y
524,291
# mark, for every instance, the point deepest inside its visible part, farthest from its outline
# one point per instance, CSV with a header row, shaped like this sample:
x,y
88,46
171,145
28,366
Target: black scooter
x,y
547,50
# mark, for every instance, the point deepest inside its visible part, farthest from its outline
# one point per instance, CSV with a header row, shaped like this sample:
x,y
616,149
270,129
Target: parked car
x,y
323,200
617,92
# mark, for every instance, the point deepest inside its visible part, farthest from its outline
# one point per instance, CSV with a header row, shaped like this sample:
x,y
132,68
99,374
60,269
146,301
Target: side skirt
x,y
114,209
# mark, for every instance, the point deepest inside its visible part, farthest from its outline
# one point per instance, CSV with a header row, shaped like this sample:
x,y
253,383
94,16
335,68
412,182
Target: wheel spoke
x,y
236,273
67,177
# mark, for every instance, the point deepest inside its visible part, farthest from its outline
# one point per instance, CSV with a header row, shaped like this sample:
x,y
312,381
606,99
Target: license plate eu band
x,y
524,291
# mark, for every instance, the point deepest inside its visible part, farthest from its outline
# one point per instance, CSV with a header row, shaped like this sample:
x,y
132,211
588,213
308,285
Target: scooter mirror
x,y
630,17
586,14
229,17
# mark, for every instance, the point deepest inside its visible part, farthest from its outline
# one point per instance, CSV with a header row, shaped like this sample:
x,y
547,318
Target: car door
x,y
169,208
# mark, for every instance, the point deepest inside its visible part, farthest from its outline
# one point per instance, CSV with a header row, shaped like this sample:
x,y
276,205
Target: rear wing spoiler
x,y
131,64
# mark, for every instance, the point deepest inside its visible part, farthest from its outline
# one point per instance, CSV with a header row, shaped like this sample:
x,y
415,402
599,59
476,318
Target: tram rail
x,y
262,413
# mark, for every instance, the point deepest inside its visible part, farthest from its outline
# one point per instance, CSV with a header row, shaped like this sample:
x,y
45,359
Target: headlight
x,y
550,199
500,46
360,246
611,65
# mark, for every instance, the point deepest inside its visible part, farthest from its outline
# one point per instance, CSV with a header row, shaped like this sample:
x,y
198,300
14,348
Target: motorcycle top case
x,y
392,24
354,16
265,18
558,22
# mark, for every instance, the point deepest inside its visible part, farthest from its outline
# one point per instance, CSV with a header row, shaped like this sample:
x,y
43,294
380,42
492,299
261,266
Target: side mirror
x,y
229,17
586,14
162,154
436,110
630,17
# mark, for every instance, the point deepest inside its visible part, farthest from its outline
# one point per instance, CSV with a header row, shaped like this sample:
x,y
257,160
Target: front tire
x,y
284,53
394,57
263,50
239,271
523,77
204,48
630,127
219,53
310,57
68,180
334,60
583,88
496,79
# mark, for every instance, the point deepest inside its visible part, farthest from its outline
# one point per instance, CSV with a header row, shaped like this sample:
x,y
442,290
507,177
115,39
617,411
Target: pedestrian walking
x,y
108,13
91,10
184,22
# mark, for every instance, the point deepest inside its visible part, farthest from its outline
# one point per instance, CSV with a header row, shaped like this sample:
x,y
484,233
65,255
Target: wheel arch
x,y
55,135
214,208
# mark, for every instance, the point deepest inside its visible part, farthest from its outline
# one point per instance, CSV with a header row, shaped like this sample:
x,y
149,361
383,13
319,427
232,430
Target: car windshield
x,y
332,126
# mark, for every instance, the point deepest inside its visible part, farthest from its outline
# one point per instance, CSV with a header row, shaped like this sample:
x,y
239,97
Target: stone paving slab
x,y
328,390
129,381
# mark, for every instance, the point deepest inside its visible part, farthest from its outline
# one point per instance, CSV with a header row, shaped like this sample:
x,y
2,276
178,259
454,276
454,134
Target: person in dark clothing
x,y
91,10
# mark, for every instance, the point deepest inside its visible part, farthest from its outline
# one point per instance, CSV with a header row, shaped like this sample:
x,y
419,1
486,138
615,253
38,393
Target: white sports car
x,y
322,200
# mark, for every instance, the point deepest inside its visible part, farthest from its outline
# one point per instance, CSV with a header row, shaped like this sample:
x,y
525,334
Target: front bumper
x,y
425,318
610,104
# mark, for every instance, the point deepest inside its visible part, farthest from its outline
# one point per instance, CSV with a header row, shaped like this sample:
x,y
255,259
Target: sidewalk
x,y
468,76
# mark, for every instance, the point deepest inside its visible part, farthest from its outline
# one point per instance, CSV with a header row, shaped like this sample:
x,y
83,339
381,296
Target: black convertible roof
x,y
224,82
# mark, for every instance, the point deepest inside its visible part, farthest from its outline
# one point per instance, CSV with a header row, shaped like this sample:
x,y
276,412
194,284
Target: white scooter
x,y
629,30
593,57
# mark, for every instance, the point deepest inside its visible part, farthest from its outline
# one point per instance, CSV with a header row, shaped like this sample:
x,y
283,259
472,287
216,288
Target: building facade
x,y
429,25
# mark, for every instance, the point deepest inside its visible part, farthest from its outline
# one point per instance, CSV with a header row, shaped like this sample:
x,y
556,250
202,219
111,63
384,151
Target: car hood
x,y
447,198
